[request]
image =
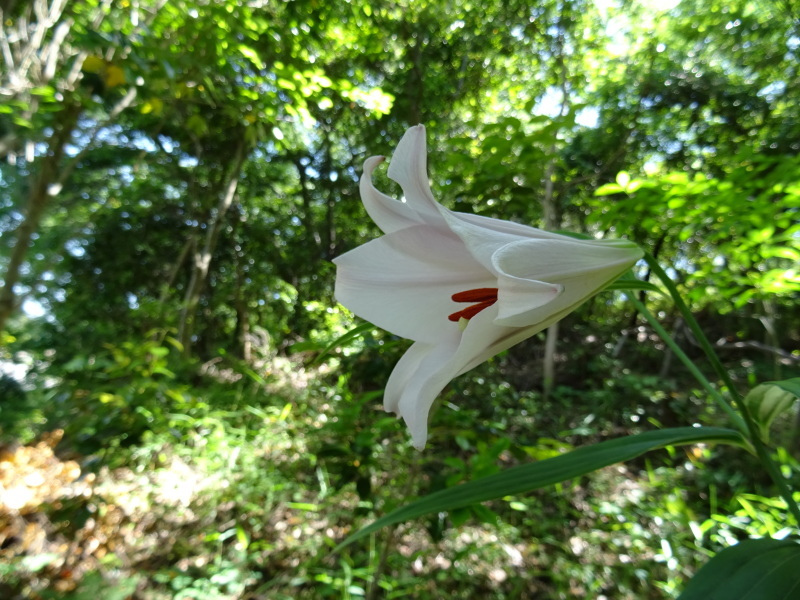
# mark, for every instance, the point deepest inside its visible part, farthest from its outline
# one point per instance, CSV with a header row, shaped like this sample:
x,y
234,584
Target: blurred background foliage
x,y
175,179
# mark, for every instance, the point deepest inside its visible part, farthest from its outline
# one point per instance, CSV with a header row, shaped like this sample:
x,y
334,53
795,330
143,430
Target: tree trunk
x,y
242,331
329,239
551,222
307,217
202,258
188,246
666,364
39,197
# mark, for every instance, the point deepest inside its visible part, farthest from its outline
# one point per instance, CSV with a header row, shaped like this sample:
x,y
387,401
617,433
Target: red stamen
x,y
477,295
483,297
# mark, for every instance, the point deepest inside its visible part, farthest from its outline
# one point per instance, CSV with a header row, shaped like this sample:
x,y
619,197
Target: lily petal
x,y
505,227
484,237
417,379
404,281
519,300
424,371
485,336
578,269
565,257
389,214
402,374
409,168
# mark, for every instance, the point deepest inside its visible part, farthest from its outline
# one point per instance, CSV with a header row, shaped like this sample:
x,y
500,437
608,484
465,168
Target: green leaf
x,y
344,339
76,364
629,281
251,54
608,189
764,569
305,346
44,91
159,351
528,477
634,185
197,125
766,401
789,385
174,343
175,395
23,122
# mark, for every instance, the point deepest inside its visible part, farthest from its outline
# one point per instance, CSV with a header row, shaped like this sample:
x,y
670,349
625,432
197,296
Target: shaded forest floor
x,y
247,499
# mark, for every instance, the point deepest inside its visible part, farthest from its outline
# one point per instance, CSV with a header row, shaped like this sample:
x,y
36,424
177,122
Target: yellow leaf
x,y
114,76
93,64
153,106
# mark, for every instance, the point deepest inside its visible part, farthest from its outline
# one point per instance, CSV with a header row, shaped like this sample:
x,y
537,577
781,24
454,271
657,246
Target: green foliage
x,y
737,231
94,585
547,472
758,569
110,399
177,338
767,401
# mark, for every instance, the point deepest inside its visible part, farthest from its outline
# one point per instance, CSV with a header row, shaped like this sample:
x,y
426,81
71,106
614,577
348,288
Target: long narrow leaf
x,y
524,478
344,339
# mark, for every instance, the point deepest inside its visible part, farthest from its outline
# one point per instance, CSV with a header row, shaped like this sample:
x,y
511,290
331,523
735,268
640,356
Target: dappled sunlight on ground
x,y
65,525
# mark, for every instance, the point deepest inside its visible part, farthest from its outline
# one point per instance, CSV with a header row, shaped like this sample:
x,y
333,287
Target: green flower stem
x,y
650,318
749,425
701,338
775,473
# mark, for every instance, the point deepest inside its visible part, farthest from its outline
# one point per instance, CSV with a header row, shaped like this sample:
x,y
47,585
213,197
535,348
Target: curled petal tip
x,y
371,163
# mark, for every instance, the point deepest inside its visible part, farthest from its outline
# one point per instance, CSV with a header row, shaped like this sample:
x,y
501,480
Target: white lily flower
x,y
461,286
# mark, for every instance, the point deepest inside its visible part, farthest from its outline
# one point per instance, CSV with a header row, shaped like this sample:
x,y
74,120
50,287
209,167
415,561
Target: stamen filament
x,y
482,297
471,311
476,295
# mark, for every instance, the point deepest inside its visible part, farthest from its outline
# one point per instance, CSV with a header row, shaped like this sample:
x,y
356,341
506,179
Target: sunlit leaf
x,y
252,55
768,400
345,339
608,189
